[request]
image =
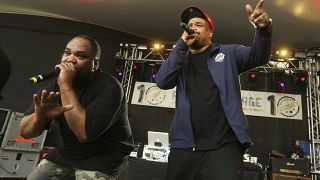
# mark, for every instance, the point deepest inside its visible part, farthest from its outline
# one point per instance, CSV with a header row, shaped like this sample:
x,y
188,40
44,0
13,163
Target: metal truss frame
x,y
310,65
313,105
131,53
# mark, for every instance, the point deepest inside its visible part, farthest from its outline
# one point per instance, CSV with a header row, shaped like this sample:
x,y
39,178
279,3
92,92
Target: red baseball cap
x,y
192,12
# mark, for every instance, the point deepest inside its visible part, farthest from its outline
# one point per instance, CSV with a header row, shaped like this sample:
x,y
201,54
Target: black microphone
x,y
42,77
186,28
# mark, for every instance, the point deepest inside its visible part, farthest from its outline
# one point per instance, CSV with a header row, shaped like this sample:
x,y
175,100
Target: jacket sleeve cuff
x,y
182,45
267,28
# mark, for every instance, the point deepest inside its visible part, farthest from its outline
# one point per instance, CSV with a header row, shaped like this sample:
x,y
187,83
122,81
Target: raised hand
x,y
258,16
48,106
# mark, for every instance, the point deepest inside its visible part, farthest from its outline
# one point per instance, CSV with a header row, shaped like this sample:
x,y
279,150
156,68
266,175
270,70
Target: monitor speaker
x,y
285,176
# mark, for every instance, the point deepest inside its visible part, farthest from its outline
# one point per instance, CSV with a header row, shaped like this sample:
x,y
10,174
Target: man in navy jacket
x,y
209,132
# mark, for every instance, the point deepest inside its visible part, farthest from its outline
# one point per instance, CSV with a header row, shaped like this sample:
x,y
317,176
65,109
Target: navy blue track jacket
x,y
225,64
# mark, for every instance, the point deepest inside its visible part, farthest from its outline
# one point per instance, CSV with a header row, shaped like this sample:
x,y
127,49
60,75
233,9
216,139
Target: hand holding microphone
x,y
54,73
189,35
68,73
187,29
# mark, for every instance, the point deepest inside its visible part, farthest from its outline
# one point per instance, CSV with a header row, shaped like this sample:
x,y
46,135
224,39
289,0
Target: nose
x,y
193,27
71,58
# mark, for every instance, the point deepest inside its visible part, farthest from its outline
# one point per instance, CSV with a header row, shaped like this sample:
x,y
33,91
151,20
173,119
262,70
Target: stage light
x,y
118,65
278,80
282,54
152,71
303,78
299,9
154,75
252,75
120,74
300,77
282,84
138,69
157,46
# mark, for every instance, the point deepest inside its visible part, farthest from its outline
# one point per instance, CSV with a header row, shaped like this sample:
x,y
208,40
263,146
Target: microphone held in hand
x,y
42,77
186,28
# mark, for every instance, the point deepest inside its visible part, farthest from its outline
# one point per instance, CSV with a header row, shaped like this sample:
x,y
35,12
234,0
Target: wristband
x,y
37,117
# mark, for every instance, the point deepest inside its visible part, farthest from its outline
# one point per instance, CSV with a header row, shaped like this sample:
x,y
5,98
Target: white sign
x,y
149,94
267,104
254,103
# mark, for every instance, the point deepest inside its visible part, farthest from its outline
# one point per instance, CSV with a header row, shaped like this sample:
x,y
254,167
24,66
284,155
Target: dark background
x,y
296,22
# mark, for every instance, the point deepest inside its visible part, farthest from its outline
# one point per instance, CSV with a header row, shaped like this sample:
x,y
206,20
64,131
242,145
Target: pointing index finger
x,y
259,5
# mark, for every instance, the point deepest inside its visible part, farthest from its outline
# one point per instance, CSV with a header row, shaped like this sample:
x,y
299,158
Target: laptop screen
x,y
158,139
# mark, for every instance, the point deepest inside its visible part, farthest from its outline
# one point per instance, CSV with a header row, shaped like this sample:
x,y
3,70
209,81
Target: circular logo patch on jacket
x,y
219,57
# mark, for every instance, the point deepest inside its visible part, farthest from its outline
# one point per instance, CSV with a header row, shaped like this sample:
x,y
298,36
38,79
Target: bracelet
x,y
37,117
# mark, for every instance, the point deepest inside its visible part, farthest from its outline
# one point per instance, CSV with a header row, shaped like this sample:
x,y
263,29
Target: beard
x,y
196,45
200,43
83,75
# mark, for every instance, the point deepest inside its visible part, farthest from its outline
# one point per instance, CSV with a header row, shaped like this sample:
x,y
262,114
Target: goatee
x,y
83,76
196,45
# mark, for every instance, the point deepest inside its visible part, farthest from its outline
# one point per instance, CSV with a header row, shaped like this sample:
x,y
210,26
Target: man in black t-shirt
x,y
90,107
209,132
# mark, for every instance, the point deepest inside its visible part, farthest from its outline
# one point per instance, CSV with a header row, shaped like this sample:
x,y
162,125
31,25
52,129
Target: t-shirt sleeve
x,y
103,110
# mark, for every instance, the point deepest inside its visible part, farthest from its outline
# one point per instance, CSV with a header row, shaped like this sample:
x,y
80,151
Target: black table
x,y
141,169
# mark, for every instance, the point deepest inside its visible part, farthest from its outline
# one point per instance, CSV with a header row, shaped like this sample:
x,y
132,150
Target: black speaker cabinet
x,y
290,166
284,176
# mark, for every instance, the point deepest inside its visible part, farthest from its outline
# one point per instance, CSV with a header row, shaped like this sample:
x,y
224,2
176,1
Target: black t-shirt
x,y
210,126
107,128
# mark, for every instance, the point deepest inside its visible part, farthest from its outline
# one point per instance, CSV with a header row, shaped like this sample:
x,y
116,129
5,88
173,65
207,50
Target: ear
x,y
95,64
210,34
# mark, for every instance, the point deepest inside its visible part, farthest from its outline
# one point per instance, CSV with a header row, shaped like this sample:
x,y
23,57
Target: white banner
x,y
254,103
149,94
267,104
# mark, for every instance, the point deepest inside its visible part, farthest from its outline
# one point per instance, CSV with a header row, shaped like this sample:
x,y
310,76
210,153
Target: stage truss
x,y
306,61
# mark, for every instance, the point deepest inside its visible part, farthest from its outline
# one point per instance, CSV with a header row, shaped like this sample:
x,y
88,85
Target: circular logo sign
x,y
288,106
155,95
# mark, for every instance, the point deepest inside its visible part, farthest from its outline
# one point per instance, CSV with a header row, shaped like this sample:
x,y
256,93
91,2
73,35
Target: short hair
x,y
94,44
